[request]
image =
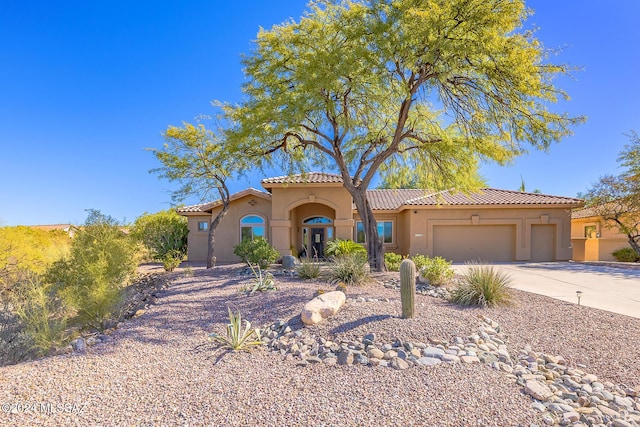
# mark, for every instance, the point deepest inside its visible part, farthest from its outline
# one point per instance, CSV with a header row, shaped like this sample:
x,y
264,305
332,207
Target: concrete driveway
x,y
604,287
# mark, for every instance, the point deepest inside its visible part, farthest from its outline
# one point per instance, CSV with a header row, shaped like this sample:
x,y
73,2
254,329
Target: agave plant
x,y
263,281
238,338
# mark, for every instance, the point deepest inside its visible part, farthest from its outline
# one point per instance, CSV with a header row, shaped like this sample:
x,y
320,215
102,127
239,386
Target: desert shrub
x,y
483,285
92,278
257,252
262,281
338,247
308,269
164,235
420,261
172,260
392,261
626,255
42,312
238,338
437,270
351,269
15,344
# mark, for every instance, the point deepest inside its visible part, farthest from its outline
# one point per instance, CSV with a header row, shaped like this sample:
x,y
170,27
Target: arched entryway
x,y
314,227
316,231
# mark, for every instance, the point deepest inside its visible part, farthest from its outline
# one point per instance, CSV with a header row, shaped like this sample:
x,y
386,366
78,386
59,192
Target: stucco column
x,y
280,235
344,228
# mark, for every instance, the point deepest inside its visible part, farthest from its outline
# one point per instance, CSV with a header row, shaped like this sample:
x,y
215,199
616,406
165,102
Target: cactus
x,y
407,287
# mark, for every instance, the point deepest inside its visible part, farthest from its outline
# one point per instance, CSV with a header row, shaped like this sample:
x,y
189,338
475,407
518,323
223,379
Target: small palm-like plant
x,y
483,285
309,270
238,338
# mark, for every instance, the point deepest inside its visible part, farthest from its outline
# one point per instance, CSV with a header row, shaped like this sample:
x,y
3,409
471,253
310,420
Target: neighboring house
x,y
591,240
298,214
70,229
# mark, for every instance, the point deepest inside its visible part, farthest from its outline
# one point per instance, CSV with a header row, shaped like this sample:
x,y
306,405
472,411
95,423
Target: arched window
x,y
318,220
252,226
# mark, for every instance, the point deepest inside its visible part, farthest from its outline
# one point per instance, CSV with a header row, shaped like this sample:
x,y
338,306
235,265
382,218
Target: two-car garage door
x,y
461,243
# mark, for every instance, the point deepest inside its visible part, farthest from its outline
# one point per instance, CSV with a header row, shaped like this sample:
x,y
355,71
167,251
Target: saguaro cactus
x,y
407,287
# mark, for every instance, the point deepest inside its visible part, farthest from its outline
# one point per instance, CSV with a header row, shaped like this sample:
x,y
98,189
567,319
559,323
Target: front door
x,y
317,242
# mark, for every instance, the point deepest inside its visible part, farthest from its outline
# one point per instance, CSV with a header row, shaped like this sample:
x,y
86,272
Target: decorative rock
x,y
538,390
433,352
345,358
399,364
570,417
288,262
450,358
79,344
322,306
375,353
469,359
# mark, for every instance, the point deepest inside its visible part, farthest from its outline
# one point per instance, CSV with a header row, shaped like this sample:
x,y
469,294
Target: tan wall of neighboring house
x,y
601,242
227,234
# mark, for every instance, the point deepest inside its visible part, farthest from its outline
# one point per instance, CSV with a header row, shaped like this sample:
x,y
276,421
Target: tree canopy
x,y
423,88
616,198
200,160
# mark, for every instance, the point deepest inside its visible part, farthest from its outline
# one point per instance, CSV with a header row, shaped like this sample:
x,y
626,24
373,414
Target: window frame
x,y
202,228
378,224
252,225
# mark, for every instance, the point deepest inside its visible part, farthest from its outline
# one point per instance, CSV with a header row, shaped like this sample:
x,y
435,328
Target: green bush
x,y
308,270
338,247
172,260
351,269
483,285
626,255
436,270
164,234
92,278
392,261
257,252
42,312
420,261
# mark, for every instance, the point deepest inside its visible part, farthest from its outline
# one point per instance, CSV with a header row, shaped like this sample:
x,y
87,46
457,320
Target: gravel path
x,y
156,370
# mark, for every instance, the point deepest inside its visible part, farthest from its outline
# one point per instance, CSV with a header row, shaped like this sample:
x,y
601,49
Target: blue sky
x,y
85,87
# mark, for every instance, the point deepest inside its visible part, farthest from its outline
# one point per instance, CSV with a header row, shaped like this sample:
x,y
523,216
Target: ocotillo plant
x,y
407,287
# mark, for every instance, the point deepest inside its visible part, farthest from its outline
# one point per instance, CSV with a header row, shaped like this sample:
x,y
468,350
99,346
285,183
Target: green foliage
x,y
238,338
420,261
25,251
91,279
308,269
407,288
483,285
262,281
257,252
172,260
416,91
616,199
43,313
338,247
392,261
436,270
163,233
626,255
350,269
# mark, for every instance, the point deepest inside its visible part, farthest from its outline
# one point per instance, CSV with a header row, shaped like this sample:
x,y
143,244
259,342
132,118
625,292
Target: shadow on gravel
x,y
369,320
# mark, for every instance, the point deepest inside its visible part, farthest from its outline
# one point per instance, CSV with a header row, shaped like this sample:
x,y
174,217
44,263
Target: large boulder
x,y
322,306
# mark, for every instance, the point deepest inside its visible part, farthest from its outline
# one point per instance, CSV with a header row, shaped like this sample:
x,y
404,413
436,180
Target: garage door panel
x,y
461,243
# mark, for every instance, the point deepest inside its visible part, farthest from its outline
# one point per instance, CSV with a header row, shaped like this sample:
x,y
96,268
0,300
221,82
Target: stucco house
x,y
302,212
591,240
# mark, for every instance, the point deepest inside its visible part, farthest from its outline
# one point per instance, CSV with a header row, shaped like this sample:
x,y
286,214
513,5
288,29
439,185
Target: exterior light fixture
x,y
578,294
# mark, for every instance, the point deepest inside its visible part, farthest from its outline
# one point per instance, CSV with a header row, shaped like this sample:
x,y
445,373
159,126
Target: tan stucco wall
x,y
595,248
293,203
413,228
423,221
227,234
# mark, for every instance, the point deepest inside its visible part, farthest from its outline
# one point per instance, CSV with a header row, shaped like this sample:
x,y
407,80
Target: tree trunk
x,y
224,196
375,248
633,242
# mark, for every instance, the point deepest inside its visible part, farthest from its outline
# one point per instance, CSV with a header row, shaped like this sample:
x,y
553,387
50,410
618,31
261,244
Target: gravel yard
x,y
158,368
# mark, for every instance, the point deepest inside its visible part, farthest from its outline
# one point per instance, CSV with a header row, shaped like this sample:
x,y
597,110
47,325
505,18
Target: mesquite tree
x,y
197,158
427,88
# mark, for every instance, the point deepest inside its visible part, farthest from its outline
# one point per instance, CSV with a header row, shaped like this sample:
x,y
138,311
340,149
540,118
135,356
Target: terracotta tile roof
x,y
492,196
591,211
583,213
308,178
391,199
205,207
